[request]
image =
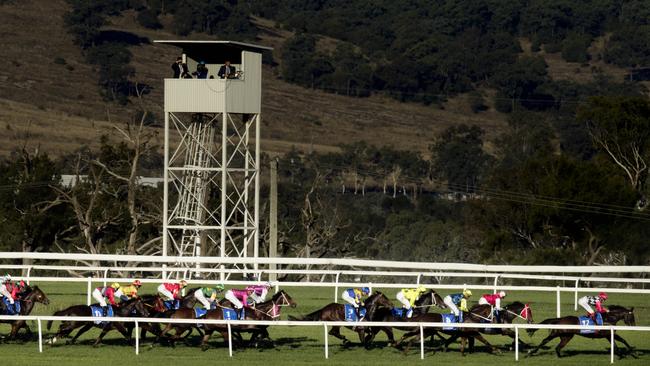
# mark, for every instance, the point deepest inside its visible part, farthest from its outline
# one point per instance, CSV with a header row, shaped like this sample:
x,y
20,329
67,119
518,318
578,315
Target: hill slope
x,y
47,85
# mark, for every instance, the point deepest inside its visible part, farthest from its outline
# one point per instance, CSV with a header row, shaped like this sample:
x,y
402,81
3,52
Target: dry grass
x,y
58,107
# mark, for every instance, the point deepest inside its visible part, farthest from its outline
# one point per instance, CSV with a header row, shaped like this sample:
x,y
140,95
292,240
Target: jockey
x,y
408,297
458,302
239,298
354,296
11,291
171,291
494,300
259,292
208,295
111,292
587,301
131,291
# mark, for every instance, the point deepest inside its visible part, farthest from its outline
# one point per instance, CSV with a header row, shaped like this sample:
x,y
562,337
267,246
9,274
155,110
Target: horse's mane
x,y
515,303
618,308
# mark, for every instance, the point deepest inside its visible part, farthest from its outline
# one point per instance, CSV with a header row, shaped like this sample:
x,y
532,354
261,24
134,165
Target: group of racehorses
x,y
378,309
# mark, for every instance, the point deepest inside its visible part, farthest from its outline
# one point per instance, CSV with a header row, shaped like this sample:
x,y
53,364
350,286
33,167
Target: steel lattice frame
x,y
211,190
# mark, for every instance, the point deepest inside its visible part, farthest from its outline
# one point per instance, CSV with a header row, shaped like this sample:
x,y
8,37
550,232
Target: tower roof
x,y
208,50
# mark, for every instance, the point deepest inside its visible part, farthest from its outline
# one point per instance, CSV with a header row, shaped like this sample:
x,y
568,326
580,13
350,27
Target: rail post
x,y
137,338
326,341
417,283
557,291
105,275
229,340
612,344
40,335
90,288
575,295
29,270
336,287
496,283
421,342
516,343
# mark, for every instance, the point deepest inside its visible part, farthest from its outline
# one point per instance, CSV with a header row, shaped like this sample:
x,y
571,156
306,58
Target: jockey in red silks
x,y
171,291
107,292
492,299
597,301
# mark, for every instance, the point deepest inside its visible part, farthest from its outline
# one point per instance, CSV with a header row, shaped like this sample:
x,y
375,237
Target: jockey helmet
x,y
365,290
421,289
183,283
219,287
502,293
267,284
7,278
603,296
467,293
115,285
22,283
137,283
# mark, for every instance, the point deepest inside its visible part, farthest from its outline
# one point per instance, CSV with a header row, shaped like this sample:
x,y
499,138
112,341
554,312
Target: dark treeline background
x,y
565,184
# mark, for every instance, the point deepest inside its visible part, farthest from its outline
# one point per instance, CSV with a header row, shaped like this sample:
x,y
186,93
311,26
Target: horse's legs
x,y
206,337
550,337
620,339
336,332
485,342
16,326
105,330
81,331
564,339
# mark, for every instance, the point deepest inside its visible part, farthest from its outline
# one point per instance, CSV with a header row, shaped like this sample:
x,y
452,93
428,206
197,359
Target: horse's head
x,y
617,312
37,295
518,310
135,307
281,298
378,299
431,298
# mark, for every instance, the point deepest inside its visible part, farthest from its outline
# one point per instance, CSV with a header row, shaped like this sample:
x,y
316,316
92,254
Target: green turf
x,y
304,345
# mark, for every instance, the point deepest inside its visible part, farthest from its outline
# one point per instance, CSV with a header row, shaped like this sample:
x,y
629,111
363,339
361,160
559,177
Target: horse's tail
x,y
546,321
311,316
57,313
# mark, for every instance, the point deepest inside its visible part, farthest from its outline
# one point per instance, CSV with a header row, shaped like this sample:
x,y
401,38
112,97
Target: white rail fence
x,y
437,270
325,324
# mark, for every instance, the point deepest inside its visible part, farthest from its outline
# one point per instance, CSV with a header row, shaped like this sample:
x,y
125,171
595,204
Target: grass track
x,y
304,345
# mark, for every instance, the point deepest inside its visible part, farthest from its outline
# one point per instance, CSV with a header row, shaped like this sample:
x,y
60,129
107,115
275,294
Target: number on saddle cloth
x,y
98,311
200,312
11,309
351,313
451,318
172,304
231,314
588,321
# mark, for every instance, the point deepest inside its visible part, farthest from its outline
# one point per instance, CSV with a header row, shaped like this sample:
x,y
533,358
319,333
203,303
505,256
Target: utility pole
x,y
273,219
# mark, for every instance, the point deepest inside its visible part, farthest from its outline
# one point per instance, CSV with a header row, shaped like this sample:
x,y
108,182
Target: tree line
x,y
529,201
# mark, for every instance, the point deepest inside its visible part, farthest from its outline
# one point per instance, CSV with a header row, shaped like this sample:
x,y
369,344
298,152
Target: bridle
x,y
274,312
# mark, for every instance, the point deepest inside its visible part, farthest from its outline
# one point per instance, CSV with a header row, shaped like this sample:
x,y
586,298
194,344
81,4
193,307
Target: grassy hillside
x,y
49,97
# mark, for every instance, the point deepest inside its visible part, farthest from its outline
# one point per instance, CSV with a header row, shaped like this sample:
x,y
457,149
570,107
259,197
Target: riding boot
x,y
104,310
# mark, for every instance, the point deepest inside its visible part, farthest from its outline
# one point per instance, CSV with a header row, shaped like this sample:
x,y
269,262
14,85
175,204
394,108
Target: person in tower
x,y
458,302
208,295
259,292
107,292
408,297
597,301
227,71
171,291
493,300
180,69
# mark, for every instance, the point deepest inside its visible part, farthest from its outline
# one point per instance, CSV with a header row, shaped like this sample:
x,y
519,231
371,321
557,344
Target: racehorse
x,y
133,307
383,314
268,310
28,298
613,316
336,312
478,314
510,313
156,308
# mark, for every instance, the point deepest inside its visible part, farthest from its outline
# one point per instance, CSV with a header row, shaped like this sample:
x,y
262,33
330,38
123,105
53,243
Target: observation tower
x,y
212,152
